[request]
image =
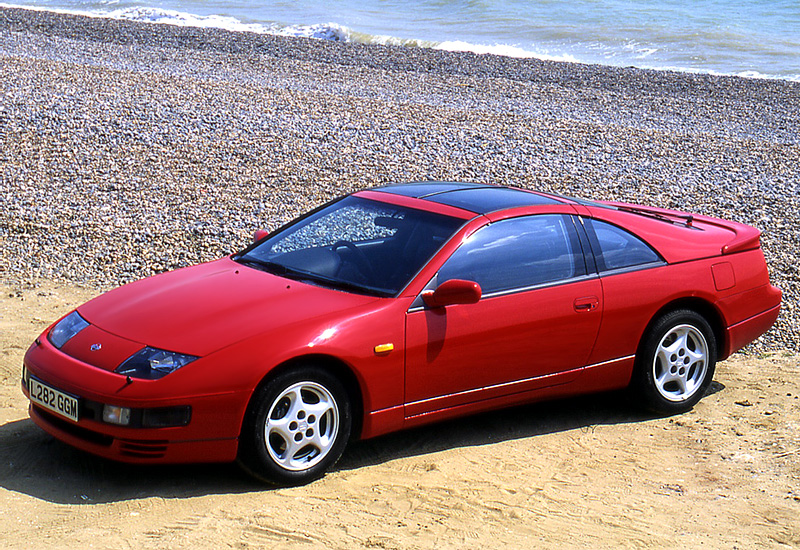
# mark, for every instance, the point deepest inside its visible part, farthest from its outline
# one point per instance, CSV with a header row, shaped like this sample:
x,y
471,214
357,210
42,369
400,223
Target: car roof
x,y
474,197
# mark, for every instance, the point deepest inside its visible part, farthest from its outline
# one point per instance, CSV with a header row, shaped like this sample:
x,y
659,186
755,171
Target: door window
x,y
518,253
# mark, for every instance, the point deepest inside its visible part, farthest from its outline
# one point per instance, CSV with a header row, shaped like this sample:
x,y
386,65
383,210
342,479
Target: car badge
x,y
96,347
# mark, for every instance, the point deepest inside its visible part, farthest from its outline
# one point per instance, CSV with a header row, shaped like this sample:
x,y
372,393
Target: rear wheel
x,y
296,427
676,362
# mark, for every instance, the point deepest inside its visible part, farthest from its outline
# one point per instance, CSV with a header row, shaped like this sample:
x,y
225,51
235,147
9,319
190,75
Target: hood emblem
x,y
96,347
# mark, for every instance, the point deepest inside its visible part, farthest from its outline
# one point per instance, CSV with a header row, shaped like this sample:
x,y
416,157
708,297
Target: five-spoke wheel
x,y
680,363
296,427
675,363
301,426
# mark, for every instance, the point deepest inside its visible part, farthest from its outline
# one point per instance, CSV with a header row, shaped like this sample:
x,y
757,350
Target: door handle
x,y
587,303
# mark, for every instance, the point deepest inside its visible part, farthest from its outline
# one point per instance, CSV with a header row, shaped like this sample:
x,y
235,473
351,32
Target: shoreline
x,y
127,148
131,32
336,32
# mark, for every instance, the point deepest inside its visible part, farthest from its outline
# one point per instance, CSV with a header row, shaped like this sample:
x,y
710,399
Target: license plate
x,y
53,399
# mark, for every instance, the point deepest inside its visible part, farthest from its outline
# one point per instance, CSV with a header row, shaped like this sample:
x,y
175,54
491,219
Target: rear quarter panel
x,y
680,242
633,299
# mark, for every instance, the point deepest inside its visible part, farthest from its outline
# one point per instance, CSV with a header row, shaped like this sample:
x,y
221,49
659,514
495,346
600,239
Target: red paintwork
x,y
522,332
447,361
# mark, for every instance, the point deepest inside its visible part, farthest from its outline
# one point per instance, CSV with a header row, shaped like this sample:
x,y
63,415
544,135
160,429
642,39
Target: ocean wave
x,y
632,52
759,75
182,19
501,49
750,74
321,31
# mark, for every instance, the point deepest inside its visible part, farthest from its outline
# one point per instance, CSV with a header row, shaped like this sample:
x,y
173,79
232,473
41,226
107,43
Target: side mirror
x,y
259,234
454,291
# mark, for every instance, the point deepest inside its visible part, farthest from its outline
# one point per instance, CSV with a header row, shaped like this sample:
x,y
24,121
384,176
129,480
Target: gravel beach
x,y
127,149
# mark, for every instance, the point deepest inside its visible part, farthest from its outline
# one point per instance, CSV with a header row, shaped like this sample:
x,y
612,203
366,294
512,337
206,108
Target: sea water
x,y
754,38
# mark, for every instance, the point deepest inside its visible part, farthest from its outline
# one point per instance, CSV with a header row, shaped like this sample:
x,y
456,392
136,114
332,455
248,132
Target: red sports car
x,y
394,307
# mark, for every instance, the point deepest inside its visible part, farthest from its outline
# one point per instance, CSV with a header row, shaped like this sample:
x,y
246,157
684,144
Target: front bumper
x,y
210,436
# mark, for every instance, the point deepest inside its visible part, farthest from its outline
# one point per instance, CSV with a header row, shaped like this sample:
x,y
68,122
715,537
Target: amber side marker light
x,y
383,348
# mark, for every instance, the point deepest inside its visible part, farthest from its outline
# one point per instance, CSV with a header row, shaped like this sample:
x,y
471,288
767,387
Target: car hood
x,y
201,309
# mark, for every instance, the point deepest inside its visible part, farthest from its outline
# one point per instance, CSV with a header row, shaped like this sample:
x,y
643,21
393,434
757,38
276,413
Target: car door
x,y
534,326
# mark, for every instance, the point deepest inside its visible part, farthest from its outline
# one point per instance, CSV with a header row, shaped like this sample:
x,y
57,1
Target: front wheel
x,y
296,427
675,364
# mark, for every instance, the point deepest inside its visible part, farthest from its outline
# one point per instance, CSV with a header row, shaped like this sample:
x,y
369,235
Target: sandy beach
x,y
127,149
582,473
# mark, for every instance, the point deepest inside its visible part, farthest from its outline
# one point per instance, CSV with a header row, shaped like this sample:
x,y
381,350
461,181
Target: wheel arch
x,y
341,370
699,305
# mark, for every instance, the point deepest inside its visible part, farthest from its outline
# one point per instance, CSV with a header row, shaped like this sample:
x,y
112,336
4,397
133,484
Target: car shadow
x,y
526,421
33,463
519,422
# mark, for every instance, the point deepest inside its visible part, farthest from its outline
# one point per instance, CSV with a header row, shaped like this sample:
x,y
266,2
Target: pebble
x,y
127,149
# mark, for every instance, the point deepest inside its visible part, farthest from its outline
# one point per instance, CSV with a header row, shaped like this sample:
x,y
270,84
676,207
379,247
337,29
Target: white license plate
x,y
53,399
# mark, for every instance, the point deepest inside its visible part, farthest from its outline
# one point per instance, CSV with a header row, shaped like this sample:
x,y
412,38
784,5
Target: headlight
x,y
66,328
152,364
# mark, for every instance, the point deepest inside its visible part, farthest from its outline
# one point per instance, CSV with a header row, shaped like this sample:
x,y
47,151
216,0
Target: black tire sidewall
x,y
644,384
253,455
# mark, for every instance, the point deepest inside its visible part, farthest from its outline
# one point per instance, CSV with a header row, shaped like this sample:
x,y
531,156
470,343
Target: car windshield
x,y
354,244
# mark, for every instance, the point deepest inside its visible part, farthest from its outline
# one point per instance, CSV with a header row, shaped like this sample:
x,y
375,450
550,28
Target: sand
x,y
579,473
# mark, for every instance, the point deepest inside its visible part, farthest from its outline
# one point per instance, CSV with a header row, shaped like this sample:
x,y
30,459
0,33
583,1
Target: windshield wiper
x,y
301,275
264,265
346,285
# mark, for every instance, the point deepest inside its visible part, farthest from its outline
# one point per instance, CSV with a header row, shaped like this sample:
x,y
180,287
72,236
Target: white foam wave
x,y
387,40
759,75
755,75
322,31
182,19
501,49
156,15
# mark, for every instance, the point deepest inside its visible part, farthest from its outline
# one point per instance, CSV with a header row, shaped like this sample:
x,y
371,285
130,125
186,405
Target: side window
x,y
518,253
618,248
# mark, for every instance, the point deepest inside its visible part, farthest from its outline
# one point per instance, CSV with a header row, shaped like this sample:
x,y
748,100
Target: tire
x,y
675,363
296,427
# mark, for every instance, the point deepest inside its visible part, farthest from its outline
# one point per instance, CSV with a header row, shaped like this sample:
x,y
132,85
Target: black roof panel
x,y
490,199
475,197
424,188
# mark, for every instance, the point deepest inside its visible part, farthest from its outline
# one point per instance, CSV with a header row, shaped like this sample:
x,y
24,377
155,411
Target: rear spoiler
x,y
670,216
745,237
749,240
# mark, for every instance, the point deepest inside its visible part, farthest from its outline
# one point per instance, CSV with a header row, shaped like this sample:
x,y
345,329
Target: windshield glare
x,y
355,244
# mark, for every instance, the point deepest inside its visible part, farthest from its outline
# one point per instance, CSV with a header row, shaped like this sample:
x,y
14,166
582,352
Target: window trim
x,y
419,305
597,253
539,286
578,236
